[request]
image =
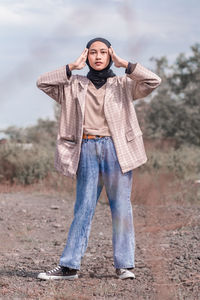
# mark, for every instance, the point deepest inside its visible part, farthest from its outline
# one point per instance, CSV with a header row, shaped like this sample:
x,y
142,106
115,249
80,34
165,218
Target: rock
x,y
57,225
54,207
56,243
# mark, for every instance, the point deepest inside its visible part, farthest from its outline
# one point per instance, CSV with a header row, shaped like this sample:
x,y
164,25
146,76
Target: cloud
x,y
74,19
82,18
8,16
38,35
33,13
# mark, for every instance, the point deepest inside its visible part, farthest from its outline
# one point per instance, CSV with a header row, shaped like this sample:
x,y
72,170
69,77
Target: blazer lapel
x,y
81,90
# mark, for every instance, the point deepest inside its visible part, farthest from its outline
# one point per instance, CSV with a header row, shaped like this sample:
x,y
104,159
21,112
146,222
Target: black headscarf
x,y
99,78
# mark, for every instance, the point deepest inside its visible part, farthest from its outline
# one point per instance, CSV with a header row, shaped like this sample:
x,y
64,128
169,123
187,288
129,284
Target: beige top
x,y
94,121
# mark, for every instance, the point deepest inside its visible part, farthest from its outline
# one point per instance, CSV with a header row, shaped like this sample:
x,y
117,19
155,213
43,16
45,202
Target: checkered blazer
x,y
118,108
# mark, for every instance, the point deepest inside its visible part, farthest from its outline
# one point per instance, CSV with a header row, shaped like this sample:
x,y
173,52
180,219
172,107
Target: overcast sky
x,y
38,36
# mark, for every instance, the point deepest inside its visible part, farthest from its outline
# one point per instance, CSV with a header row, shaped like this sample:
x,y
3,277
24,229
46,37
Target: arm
x,y
52,82
143,80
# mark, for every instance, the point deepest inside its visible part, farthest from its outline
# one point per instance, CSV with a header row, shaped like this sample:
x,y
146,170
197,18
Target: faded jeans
x,y
99,166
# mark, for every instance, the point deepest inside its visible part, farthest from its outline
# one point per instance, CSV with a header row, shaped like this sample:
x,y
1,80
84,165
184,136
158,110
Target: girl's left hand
x,y
118,61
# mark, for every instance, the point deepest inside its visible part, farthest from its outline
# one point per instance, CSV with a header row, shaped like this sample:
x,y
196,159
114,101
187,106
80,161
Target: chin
x,y
98,68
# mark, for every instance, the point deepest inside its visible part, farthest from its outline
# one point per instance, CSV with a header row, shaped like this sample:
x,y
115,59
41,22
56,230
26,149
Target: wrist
x,y
71,67
124,64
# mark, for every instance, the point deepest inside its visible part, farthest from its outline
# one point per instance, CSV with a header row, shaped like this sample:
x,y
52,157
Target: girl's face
x,y
98,56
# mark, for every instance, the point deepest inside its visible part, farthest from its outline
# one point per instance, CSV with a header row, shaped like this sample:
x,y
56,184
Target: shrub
x,y
183,162
25,166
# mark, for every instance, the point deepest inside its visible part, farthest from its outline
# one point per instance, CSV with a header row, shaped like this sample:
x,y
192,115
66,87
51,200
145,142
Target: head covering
x,y
99,78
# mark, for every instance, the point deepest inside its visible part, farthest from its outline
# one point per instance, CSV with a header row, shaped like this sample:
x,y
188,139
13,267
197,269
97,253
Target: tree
x,y
15,134
44,133
175,110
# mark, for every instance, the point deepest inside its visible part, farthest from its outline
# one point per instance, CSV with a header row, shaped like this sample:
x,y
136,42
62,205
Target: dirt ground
x,y
33,231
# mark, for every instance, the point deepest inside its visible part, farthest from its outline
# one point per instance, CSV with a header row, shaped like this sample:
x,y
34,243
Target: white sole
x,y
44,276
126,275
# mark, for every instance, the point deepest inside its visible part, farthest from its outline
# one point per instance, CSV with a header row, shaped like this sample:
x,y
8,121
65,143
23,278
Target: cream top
x,y
94,120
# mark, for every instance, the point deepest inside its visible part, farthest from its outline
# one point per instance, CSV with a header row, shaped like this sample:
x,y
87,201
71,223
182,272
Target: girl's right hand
x,y
80,62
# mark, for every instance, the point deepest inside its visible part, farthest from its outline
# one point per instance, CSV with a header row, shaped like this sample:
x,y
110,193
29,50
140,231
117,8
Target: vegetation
x,y
28,156
19,164
183,163
173,112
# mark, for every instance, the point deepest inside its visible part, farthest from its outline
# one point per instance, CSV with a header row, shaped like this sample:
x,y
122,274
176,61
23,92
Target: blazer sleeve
x,y
52,83
143,81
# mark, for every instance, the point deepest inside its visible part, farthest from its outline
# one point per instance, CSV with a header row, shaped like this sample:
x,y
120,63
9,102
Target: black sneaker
x,y
59,272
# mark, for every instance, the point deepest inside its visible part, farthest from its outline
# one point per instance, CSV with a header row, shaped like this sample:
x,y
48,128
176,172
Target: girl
x,y
99,142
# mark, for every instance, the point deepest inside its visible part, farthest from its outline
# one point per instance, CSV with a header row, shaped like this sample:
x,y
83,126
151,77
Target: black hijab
x,y
99,78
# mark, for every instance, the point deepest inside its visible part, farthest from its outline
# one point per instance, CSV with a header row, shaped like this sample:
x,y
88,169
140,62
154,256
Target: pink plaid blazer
x,y
119,112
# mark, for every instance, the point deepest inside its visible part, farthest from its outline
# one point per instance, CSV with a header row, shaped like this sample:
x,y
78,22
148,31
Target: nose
x,y
98,56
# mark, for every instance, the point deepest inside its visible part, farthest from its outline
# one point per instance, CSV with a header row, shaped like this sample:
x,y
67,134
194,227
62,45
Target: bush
x,y
183,162
25,166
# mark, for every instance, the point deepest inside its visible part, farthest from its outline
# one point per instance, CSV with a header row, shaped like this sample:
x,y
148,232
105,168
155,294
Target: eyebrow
x,y
93,49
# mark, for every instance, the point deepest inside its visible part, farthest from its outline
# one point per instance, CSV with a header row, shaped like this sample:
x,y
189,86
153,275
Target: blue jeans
x,y
99,166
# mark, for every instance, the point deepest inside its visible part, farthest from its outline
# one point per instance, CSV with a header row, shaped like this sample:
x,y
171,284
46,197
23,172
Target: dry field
x,y
33,231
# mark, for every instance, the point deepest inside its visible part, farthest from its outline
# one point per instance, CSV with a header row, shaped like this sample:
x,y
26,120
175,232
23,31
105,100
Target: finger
x,y
84,52
85,55
110,51
113,52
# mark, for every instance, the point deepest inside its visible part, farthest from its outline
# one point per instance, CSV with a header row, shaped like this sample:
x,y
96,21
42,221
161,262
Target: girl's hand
x,y
80,62
118,62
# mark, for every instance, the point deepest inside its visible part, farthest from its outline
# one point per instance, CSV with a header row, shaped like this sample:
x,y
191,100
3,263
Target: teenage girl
x,y
99,143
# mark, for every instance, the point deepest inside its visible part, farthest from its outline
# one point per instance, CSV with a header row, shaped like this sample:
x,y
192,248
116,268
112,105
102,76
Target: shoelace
x,y
121,271
54,270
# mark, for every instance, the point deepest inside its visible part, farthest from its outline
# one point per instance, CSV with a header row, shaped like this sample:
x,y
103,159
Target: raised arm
x,y
143,82
52,82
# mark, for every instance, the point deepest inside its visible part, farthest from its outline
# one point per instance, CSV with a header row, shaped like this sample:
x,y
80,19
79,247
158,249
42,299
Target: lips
x,y
98,63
